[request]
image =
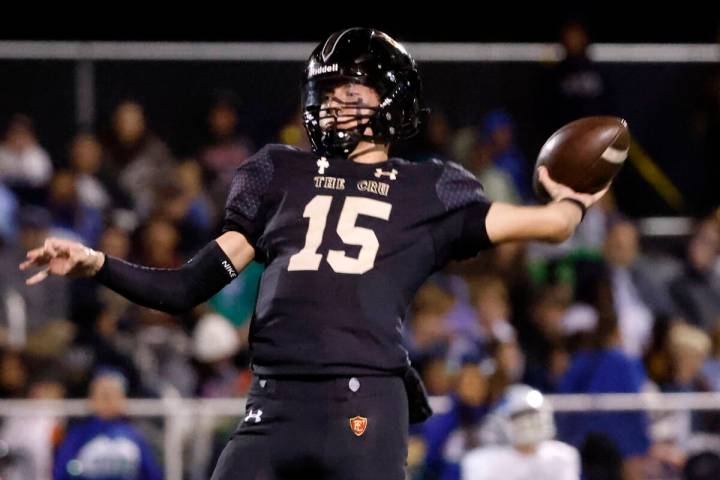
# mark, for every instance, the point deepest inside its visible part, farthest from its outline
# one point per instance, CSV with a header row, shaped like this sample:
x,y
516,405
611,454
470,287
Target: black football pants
x,y
348,428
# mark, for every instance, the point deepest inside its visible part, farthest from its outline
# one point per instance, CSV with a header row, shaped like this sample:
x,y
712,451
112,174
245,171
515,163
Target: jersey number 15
x,y
317,211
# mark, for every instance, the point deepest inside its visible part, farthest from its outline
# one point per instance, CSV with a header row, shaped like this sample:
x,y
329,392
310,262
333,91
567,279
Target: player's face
x,y
345,105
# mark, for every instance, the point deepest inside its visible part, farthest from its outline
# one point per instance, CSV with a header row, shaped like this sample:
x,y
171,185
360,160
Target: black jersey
x,y
346,245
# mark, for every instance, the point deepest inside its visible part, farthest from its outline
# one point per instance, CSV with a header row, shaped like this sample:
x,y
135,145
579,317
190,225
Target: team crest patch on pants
x,y
358,425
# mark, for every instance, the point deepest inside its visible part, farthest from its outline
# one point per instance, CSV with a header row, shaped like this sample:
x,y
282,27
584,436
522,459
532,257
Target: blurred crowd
x,y
607,311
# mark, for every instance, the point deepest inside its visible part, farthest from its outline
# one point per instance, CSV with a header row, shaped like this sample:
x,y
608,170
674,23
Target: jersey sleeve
x,y
460,233
246,207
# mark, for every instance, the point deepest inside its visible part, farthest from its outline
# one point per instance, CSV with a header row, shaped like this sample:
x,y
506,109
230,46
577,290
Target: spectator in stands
x,y
106,319
70,217
215,343
136,157
432,142
449,435
509,363
30,441
657,357
490,302
711,369
159,243
13,374
226,148
602,367
428,332
637,296
674,432
543,339
149,347
498,133
689,348
697,290
437,373
510,263
8,216
490,298
106,446
95,186
92,302
158,343
578,87
183,203
24,165
473,150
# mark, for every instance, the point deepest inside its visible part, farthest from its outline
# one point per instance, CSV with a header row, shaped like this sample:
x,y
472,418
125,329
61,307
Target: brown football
x,y
585,154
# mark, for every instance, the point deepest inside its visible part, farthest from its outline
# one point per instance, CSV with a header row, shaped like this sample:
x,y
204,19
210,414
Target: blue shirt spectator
x,y
607,370
102,449
499,131
449,435
106,446
8,211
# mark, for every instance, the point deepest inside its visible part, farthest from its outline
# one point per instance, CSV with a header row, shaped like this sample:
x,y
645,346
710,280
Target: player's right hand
x,y
558,191
62,257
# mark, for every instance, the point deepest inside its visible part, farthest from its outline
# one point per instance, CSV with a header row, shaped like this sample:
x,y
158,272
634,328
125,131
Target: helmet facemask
x,y
337,126
531,427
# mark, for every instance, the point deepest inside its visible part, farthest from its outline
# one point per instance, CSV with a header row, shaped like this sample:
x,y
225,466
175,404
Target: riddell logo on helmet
x,y
324,69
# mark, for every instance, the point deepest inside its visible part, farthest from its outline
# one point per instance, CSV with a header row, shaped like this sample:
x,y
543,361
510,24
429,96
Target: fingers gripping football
x,y
558,191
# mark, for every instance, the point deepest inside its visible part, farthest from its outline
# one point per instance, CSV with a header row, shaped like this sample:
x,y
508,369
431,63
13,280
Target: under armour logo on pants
x,y
253,415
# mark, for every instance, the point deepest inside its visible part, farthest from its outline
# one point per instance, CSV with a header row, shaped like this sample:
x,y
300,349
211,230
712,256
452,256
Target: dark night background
x,y
659,100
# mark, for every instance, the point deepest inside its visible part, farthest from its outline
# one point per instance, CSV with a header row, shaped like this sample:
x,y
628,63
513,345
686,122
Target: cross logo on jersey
x,y
379,172
358,425
253,415
322,165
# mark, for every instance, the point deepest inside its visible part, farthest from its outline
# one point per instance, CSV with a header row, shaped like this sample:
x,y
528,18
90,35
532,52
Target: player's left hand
x,y
558,191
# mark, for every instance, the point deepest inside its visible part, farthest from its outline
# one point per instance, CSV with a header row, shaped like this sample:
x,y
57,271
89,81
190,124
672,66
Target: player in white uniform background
x,y
524,425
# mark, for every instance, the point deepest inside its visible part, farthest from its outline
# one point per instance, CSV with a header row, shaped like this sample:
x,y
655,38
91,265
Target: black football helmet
x,y
374,59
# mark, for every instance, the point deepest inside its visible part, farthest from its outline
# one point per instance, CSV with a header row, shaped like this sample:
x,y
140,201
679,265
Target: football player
x,y
347,235
526,448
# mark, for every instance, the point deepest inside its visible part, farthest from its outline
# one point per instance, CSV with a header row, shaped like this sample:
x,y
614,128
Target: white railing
x,y
299,51
176,411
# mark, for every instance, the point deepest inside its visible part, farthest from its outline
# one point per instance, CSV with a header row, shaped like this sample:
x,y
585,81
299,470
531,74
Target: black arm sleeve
x,y
171,290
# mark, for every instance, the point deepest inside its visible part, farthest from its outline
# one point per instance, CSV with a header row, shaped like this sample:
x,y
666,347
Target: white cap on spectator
x,y
214,338
579,318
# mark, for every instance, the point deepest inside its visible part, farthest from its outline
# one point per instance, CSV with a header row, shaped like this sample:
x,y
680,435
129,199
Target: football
x,y
585,154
